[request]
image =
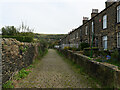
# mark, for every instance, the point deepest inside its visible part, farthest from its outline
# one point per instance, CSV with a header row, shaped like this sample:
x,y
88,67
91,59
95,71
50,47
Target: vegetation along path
x,y
53,72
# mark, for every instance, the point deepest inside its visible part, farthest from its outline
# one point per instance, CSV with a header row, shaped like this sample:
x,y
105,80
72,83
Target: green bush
x,y
83,45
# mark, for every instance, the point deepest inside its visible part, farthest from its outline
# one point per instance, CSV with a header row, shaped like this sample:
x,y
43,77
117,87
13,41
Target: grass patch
x,y
8,84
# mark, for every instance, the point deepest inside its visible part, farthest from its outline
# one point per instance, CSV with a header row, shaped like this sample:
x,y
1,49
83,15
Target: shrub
x,y
103,53
83,45
24,38
66,48
87,51
74,48
115,55
20,38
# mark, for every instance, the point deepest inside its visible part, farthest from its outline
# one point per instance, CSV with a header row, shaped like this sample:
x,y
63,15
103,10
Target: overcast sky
x,y
47,16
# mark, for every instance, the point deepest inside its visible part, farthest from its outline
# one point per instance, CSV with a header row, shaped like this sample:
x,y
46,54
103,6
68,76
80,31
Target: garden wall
x,y
15,56
107,74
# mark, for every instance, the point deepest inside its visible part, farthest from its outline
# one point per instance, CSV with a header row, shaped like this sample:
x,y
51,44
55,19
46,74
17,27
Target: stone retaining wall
x,y
107,74
15,56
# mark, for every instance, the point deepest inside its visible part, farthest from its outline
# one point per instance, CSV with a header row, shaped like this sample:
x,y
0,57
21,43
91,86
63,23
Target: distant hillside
x,y
49,37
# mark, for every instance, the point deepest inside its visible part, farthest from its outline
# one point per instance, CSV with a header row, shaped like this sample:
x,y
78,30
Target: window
x,y
118,14
92,27
118,40
104,42
77,35
86,30
104,21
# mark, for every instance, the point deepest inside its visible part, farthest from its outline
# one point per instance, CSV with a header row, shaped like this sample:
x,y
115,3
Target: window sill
x,y
104,28
118,23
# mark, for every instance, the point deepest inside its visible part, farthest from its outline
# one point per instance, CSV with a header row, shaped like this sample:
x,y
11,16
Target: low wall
x,y
15,56
107,74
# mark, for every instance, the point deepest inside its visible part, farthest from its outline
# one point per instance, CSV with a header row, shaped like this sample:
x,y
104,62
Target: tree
x,y
25,28
9,30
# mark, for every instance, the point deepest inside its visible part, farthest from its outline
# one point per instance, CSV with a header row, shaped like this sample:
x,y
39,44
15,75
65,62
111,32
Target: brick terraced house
x,y
103,26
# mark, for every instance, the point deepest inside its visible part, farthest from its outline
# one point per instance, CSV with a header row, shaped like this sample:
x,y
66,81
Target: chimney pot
x,y
85,19
94,12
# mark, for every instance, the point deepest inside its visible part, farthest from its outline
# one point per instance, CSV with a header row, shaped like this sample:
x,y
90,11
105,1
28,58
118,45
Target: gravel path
x,y
53,72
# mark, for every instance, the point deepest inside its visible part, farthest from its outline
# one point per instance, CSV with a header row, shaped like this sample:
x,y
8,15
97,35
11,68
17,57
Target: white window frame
x,y
104,41
77,35
92,27
104,21
118,40
86,30
118,14
74,35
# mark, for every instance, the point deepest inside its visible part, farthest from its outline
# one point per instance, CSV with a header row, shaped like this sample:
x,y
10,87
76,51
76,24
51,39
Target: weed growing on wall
x,y
21,74
23,49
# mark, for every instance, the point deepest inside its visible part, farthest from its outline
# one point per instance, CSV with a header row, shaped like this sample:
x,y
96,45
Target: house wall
x,y
111,31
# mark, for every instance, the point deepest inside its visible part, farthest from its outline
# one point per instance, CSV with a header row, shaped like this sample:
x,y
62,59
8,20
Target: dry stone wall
x,y
15,56
107,74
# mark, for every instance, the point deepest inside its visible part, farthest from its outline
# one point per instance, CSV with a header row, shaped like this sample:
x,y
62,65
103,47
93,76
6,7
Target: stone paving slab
x,y
53,72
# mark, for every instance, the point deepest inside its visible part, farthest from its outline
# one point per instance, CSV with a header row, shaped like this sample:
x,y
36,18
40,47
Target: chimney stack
x,y
85,19
94,12
109,2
